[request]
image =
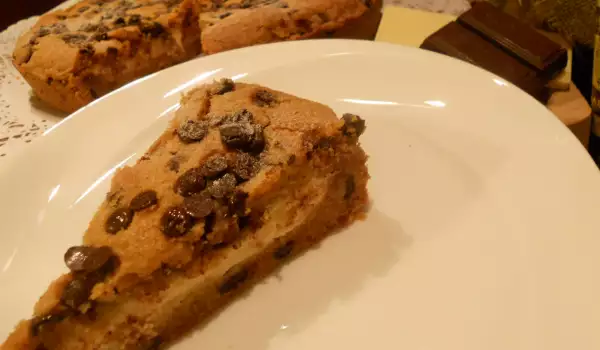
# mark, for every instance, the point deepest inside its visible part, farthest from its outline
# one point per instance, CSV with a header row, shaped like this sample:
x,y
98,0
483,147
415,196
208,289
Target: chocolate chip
x,y
38,323
143,200
43,31
89,27
61,17
214,166
243,222
58,28
368,3
225,85
87,259
83,9
77,292
237,203
134,19
119,22
199,205
246,4
233,278
153,29
237,135
243,136
264,98
93,93
118,220
225,15
176,222
173,164
87,50
100,36
192,131
209,223
353,125
74,38
245,166
190,182
350,187
113,51
49,80
241,116
284,250
220,188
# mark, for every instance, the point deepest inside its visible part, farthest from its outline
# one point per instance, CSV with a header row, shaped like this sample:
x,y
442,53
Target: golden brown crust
x,y
164,284
70,57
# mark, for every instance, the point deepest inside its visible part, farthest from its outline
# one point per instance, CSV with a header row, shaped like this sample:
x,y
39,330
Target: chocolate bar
x,y
516,37
457,41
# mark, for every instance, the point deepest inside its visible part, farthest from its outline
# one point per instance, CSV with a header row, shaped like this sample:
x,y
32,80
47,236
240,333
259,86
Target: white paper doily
x,y
23,118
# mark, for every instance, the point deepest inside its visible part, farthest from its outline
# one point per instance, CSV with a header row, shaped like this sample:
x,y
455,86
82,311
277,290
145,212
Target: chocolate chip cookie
x,y
71,57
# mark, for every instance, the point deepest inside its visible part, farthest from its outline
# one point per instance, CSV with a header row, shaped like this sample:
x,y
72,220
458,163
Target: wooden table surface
x,y
12,11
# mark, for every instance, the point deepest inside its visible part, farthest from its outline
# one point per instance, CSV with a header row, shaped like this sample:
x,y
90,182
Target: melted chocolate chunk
x,y
353,125
214,166
233,278
87,259
237,135
190,182
243,136
245,166
74,38
58,28
199,205
192,131
209,223
225,85
284,250
153,29
174,163
222,187
87,50
100,36
134,19
43,31
119,22
176,222
237,203
113,51
118,220
77,292
38,323
264,98
143,200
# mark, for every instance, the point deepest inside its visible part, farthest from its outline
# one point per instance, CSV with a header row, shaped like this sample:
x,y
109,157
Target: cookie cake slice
x,y
243,178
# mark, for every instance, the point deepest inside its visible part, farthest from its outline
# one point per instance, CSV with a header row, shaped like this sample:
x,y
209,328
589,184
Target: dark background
x,y
13,10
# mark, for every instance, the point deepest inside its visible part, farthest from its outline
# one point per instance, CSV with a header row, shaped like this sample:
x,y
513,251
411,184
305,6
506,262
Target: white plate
x,y
483,232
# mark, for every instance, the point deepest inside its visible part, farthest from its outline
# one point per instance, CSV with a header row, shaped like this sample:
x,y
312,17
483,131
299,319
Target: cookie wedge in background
x,y
243,179
73,56
231,24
